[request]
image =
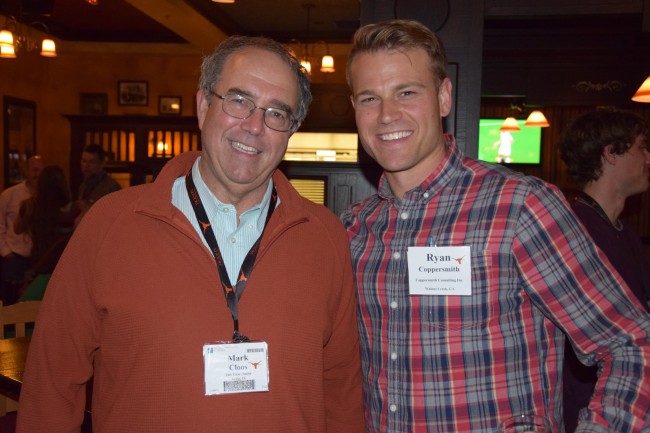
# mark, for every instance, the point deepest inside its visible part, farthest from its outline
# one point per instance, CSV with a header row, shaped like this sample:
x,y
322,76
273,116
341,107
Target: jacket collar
x,y
157,201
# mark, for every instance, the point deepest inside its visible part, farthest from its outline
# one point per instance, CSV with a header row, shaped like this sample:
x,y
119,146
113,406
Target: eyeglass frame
x,y
291,118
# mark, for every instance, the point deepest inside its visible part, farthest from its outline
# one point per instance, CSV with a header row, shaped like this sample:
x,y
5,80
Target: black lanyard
x,y
233,294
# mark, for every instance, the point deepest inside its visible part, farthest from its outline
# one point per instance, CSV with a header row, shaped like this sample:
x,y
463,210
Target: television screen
x,y
509,147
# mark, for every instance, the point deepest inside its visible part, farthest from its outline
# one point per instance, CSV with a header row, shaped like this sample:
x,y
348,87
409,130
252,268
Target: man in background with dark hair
x,y
97,182
606,153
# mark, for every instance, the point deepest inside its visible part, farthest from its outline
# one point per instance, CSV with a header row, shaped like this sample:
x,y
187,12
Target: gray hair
x,y
213,64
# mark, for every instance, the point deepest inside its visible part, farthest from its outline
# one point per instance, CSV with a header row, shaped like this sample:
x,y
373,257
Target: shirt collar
x,y
212,204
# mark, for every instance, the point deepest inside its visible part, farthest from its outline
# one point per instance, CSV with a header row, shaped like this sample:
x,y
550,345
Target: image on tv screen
x,y
509,147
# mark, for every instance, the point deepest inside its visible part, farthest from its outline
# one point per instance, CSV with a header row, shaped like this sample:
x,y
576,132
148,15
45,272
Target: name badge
x,y
232,368
440,271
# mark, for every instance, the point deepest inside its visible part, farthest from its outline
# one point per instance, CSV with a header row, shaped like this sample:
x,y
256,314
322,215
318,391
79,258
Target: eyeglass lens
x,y
242,108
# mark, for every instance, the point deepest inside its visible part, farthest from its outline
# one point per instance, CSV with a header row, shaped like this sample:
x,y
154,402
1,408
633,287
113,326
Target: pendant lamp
x,y
510,124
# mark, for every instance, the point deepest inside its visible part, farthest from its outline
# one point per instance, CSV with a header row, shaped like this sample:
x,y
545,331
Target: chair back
x,y
18,315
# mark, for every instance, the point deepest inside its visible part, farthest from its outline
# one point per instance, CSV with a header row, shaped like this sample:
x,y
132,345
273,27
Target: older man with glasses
x,y
154,309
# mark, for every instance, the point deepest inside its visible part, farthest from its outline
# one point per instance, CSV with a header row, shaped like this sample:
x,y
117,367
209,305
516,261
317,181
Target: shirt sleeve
x,y
342,370
572,283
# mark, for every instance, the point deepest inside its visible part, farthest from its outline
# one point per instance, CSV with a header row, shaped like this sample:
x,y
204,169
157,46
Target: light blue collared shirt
x,y
234,241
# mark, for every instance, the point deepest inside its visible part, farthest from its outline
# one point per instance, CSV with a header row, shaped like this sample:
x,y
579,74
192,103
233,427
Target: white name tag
x,y
440,271
232,368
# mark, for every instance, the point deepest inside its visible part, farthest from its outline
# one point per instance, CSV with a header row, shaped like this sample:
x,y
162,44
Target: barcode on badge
x,y
239,385
255,350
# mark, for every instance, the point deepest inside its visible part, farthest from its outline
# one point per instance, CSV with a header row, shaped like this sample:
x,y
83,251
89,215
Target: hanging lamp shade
x,y
510,124
307,65
537,118
48,48
6,38
643,94
7,52
327,64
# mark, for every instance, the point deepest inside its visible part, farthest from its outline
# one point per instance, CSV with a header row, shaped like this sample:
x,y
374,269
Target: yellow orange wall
x,y
55,85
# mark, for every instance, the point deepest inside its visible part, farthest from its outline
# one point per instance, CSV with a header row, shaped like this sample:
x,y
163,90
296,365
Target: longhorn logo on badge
x,y
459,259
255,364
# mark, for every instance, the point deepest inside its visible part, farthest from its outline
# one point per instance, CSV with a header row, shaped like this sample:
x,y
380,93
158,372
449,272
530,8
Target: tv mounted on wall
x,y
516,147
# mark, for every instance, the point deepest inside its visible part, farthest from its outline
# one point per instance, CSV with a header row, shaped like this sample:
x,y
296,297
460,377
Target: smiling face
x,y
240,155
399,111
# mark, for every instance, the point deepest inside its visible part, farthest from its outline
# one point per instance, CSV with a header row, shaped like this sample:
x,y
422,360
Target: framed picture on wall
x,y
132,93
169,105
93,103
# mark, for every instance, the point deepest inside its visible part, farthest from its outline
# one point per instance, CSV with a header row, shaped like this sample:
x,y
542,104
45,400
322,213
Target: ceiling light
x,y
327,61
7,52
305,63
537,118
510,124
223,1
16,38
48,48
6,38
643,94
327,64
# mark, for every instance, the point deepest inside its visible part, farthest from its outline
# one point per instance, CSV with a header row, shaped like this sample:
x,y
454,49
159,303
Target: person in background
x,y
47,218
469,275
606,153
147,297
15,248
96,182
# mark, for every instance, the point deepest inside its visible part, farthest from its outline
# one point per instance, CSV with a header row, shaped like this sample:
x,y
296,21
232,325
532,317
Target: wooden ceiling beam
x,y
183,20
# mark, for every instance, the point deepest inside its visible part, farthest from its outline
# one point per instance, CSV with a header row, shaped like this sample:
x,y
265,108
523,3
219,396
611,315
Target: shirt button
x,y
404,215
393,356
393,305
426,195
397,255
226,210
233,240
393,408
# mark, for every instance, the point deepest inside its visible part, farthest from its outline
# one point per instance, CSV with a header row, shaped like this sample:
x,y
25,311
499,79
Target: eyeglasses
x,y
240,107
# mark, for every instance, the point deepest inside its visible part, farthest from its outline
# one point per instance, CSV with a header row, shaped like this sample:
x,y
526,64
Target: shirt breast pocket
x,y
462,313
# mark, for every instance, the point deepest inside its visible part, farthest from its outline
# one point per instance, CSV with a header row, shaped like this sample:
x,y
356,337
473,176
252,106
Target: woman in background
x,y
48,219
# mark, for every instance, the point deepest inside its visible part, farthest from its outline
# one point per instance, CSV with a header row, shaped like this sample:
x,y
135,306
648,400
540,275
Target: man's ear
x,y
444,97
608,155
202,106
